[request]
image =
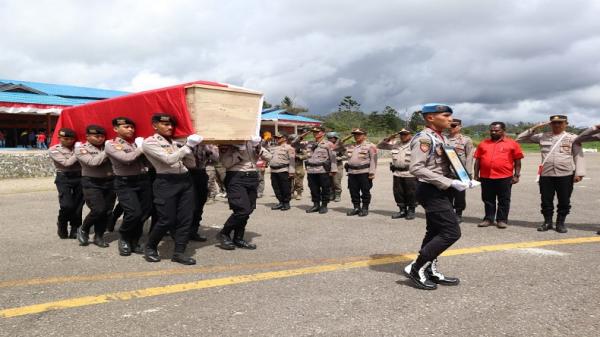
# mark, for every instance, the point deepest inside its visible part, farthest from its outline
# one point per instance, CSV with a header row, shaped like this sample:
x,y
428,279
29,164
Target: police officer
x,y
241,182
301,155
282,166
97,184
590,134
562,166
463,145
68,184
203,153
172,187
430,165
405,184
340,156
361,168
131,183
320,166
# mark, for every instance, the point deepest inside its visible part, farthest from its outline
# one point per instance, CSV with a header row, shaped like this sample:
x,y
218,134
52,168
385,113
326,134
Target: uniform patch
x,y
439,150
119,147
425,147
83,151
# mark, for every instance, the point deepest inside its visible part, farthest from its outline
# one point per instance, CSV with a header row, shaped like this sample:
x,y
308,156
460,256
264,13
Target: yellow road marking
x,y
219,282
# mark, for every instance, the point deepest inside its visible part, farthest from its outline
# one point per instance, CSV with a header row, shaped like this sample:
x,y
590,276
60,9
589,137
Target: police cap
x,y
95,130
66,132
359,131
122,121
558,118
164,118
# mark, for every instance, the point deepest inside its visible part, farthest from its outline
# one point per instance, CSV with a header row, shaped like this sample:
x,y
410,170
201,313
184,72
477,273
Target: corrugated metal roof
x,y
20,97
271,114
69,90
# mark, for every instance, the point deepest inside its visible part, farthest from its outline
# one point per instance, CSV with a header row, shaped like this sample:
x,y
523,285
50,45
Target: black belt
x,y
99,179
195,169
317,164
277,167
398,169
136,177
253,174
359,167
72,174
173,176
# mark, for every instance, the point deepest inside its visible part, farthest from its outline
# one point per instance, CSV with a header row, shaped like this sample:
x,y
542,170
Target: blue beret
x,y
435,108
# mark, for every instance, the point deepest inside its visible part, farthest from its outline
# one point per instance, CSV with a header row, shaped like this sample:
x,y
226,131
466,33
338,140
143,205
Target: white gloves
x,y
106,142
193,140
138,141
459,185
77,144
256,141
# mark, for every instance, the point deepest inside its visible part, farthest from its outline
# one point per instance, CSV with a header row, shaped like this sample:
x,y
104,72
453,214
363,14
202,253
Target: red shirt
x,y
41,137
496,158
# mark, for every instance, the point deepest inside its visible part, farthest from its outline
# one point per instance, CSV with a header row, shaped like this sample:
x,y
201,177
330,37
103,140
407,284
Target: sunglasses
x,y
454,125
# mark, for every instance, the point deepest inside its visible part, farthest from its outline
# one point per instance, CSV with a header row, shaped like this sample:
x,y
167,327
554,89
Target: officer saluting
x,y
132,184
361,167
562,166
405,184
320,166
97,184
172,187
340,156
241,182
590,134
432,168
463,145
68,184
282,171
203,153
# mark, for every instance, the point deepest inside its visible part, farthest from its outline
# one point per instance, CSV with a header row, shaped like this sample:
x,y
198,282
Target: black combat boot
x,y
315,208
83,236
560,224
180,258
278,206
238,240
420,278
225,242
547,223
136,248
198,237
99,241
73,232
401,213
364,211
151,255
437,277
354,211
62,230
286,206
410,213
338,197
458,215
124,247
323,209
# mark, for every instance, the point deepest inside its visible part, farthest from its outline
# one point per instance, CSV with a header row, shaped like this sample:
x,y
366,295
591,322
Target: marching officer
x,y
97,183
562,166
405,184
463,145
131,183
241,182
282,167
320,166
340,156
301,155
589,135
68,184
430,165
361,168
203,153
172,188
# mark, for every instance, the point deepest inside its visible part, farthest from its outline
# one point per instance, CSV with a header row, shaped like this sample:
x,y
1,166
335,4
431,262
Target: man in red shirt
x,y
497,167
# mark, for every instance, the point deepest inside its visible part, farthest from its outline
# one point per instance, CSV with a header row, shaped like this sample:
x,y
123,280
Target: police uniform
x,y
241,182
320,163
132,185
282,165
98,191
68,185
591,134
202,155
560,167
431,167
301,155
336,180
405,184
361,167
463,145
173,193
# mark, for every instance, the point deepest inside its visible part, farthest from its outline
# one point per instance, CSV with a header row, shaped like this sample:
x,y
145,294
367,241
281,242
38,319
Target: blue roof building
x,y
276,120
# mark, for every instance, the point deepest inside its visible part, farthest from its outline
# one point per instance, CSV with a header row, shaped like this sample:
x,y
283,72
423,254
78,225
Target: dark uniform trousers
x,y
174,205
70,198
360,189
135,198
99,196
282,186
200,182
405,190
241,194
458,199
562,187
492,189
442,226
320,186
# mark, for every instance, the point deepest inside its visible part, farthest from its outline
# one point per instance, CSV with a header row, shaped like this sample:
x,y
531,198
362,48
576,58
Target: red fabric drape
x,y
139,107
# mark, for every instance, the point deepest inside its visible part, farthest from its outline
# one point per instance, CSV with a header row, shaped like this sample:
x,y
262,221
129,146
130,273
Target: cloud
x,y
511,60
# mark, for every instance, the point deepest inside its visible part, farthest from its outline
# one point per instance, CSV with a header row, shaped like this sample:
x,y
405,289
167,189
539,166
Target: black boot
x,y
136,248
238,239
151,255
437,277
197,237
401,213
225,241
83,236
286,206
547,223
180,258
364,211
420,277
62,230
354,211
99,241
73,232
560,224
323,209
278,206
458,215
124,247
314,208
410,213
